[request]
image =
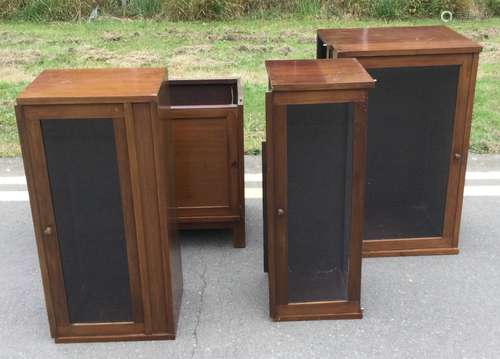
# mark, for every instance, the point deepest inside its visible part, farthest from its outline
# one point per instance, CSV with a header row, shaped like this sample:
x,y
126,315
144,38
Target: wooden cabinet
x,y
419,123
315,160
100,196
207,130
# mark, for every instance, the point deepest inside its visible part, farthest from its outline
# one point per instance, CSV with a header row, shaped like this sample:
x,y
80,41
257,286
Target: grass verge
x,y
214,49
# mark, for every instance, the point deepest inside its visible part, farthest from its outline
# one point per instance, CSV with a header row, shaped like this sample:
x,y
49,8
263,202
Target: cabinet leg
x,y
239,240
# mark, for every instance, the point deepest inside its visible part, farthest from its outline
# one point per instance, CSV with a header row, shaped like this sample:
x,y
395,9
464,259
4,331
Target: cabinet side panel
x,y
270,206
166,192
150,217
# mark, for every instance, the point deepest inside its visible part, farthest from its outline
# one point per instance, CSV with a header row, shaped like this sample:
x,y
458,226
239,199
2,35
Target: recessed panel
x,y
85,187
319,188
410,128
201,162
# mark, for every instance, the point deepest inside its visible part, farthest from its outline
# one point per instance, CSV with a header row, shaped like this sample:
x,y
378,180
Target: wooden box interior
x,y
200,92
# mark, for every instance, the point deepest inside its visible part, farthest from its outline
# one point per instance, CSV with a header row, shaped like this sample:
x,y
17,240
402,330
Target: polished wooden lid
x,y
304,75
387,41
94,86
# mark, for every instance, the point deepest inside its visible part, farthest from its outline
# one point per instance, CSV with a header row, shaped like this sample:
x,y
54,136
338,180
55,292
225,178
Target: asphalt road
x,y
415,307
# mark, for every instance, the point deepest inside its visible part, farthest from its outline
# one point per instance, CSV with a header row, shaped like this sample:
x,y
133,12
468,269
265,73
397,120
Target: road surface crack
x,y
203,277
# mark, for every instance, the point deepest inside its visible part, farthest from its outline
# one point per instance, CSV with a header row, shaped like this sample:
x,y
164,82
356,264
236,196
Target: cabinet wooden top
x,y
304,75
387,41
94,86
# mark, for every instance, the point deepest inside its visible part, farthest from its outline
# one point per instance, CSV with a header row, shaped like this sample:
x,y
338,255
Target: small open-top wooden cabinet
x,y
96,159
315,160
207,131
419,122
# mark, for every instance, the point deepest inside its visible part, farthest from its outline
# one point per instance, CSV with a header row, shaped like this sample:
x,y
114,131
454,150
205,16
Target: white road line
x,y
256,192
253,193
253,177
469,191
490,175
482,175
13,180
14,196
257,177
482,191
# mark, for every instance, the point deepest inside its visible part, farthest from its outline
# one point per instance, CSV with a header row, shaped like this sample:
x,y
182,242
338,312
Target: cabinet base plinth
x,y
299,317
318,311
114,338
410,252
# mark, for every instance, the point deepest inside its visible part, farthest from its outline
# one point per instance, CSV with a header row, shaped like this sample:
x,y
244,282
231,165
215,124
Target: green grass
x,y
209,49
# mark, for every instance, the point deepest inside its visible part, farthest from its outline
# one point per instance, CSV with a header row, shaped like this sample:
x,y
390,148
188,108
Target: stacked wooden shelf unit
x,y
315,155
101,202
419,122
207,131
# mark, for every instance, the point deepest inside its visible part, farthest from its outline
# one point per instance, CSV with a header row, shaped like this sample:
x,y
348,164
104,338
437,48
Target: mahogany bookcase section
x,y
315,157
419,122
207,130
100,194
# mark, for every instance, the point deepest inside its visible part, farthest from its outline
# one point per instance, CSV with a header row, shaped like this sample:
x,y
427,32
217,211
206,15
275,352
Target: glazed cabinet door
x,y
206,164
80,182
313,215
411,121
417,148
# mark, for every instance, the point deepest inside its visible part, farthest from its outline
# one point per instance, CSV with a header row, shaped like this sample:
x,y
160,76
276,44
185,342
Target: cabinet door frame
x,y
232,211
448,242
29,121
276,186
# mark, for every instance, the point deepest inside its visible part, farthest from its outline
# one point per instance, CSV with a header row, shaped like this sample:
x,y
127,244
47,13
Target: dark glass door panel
x,y
319,180
410,129
83,173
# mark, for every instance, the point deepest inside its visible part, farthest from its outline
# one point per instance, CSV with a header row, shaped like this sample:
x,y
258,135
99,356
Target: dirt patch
x,y
116,36
196,61
67,41
490,54
88,53
483,34
282,50
285,50
130,59
235,36
300,37
239,36
16,38
260,38
112,36
134,59
173,33
255,48
14,74
197,49
19,57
